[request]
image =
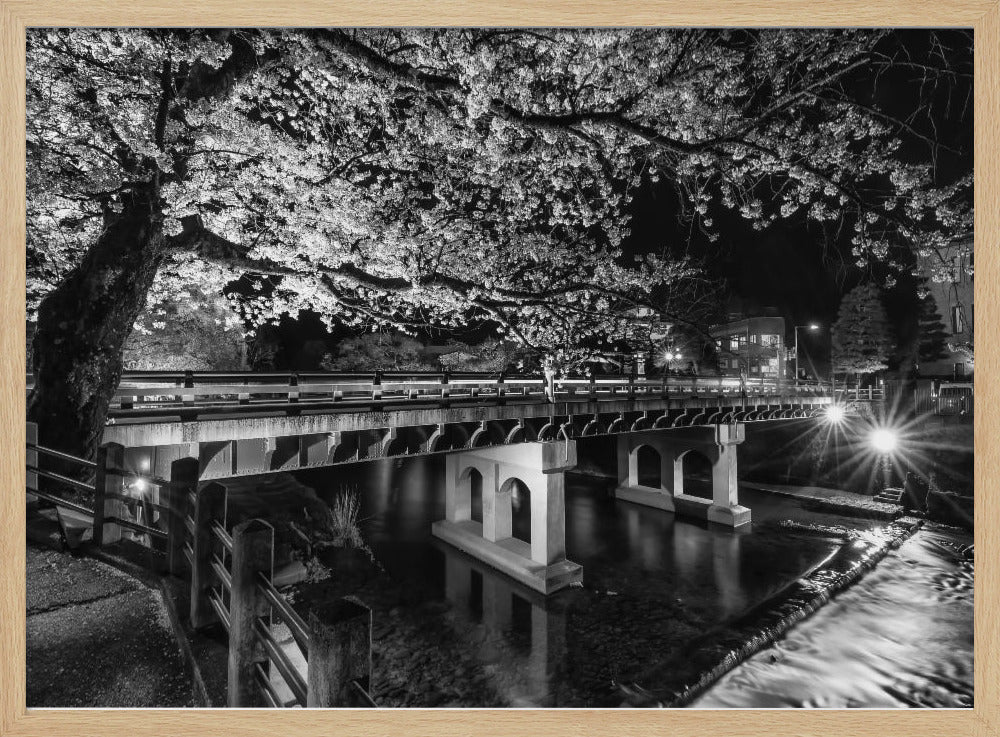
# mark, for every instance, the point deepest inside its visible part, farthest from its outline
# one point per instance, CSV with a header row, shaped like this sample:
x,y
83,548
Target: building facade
x,y
753,347
950,279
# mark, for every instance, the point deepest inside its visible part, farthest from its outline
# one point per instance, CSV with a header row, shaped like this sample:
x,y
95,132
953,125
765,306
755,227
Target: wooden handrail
x,y
286,613
296,683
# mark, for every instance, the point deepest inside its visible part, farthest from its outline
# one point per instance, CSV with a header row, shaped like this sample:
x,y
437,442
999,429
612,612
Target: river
x,y
449,631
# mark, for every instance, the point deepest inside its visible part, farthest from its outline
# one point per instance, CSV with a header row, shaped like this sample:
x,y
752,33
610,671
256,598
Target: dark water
x,y
450,631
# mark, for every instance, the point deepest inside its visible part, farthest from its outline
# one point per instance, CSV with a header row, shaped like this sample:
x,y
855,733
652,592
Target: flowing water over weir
x,y
900,637
664,601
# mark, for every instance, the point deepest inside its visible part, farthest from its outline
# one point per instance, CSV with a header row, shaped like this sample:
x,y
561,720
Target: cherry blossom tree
x,y
414,177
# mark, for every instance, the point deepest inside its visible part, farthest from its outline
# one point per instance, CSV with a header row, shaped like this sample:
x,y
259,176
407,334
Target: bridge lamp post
x,y
810,326
884,440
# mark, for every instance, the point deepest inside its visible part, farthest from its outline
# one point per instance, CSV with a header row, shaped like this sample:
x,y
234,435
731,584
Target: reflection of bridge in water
x,y
512,432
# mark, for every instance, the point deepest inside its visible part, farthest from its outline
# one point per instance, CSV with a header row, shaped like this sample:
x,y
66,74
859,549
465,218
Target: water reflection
x,y
506,623
652,582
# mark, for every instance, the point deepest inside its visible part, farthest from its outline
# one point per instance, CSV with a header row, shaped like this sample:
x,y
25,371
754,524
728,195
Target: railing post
x,y
183,482
108,481
592,389
209,506
293,394
340,651
188,384
445,388
377,387
253,553
501,390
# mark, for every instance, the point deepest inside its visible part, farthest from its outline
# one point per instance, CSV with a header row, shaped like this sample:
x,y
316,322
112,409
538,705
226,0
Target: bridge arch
x,y
662,421
548,431
436,441
648,466
591,428
617,424
515,495
472,479
643,422
693,474
479,439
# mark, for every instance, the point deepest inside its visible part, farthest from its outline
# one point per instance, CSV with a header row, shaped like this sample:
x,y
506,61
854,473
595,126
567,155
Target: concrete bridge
x,y
247,424
500,434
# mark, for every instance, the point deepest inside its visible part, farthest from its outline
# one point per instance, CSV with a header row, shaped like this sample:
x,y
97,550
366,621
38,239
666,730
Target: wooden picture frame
x,y
16,15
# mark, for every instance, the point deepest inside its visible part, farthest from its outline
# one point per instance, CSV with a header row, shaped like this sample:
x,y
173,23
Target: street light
x,y
884,440
810,326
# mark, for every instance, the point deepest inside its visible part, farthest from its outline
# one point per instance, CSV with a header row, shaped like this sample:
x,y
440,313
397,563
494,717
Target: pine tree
x,y
861,336
932,335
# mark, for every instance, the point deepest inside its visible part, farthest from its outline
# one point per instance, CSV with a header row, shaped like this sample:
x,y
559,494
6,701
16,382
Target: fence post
x,y
108,481
340,651
253,553
209,506
31,456
183,482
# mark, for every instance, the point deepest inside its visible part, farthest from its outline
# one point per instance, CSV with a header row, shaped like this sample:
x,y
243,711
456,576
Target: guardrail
x,y
190,394
231,584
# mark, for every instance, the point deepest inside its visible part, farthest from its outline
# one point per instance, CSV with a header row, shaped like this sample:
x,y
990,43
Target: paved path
x,y
98,637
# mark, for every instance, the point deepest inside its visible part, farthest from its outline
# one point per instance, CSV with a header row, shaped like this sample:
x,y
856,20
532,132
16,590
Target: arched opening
x,y
697,471
476,495
520,509
647,462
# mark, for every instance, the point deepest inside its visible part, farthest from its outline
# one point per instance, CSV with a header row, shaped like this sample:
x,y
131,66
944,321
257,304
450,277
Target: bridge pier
x,y
539,468
717,443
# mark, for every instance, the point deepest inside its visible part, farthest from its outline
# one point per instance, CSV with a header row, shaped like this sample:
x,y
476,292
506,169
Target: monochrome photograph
x,y
489,367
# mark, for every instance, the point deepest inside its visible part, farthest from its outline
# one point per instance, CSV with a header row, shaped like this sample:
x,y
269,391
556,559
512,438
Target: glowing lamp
x,y
835,414
884,440
140,485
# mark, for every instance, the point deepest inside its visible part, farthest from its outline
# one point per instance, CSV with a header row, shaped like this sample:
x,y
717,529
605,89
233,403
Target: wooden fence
x,y
230,577
119,497
231,584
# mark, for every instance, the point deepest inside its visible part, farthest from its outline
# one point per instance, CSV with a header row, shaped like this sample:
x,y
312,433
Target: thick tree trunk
x,y
83,325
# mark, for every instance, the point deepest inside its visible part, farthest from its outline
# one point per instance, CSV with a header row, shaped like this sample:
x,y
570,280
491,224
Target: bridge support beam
x,y
540,468
717,443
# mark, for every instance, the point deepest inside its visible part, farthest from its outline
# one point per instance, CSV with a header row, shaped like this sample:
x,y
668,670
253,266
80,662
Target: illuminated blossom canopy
x,y
408,177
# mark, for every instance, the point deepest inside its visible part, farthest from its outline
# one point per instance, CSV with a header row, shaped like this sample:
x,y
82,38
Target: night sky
x,y
794,266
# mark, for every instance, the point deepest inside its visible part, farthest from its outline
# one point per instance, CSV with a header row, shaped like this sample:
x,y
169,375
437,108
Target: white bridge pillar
x,y
716,442
540,467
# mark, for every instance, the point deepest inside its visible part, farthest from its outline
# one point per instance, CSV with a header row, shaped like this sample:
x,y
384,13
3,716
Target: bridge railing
x,y
166,393
326,659
863,394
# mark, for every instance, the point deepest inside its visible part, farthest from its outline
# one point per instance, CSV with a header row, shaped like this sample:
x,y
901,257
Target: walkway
x,y
98,637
